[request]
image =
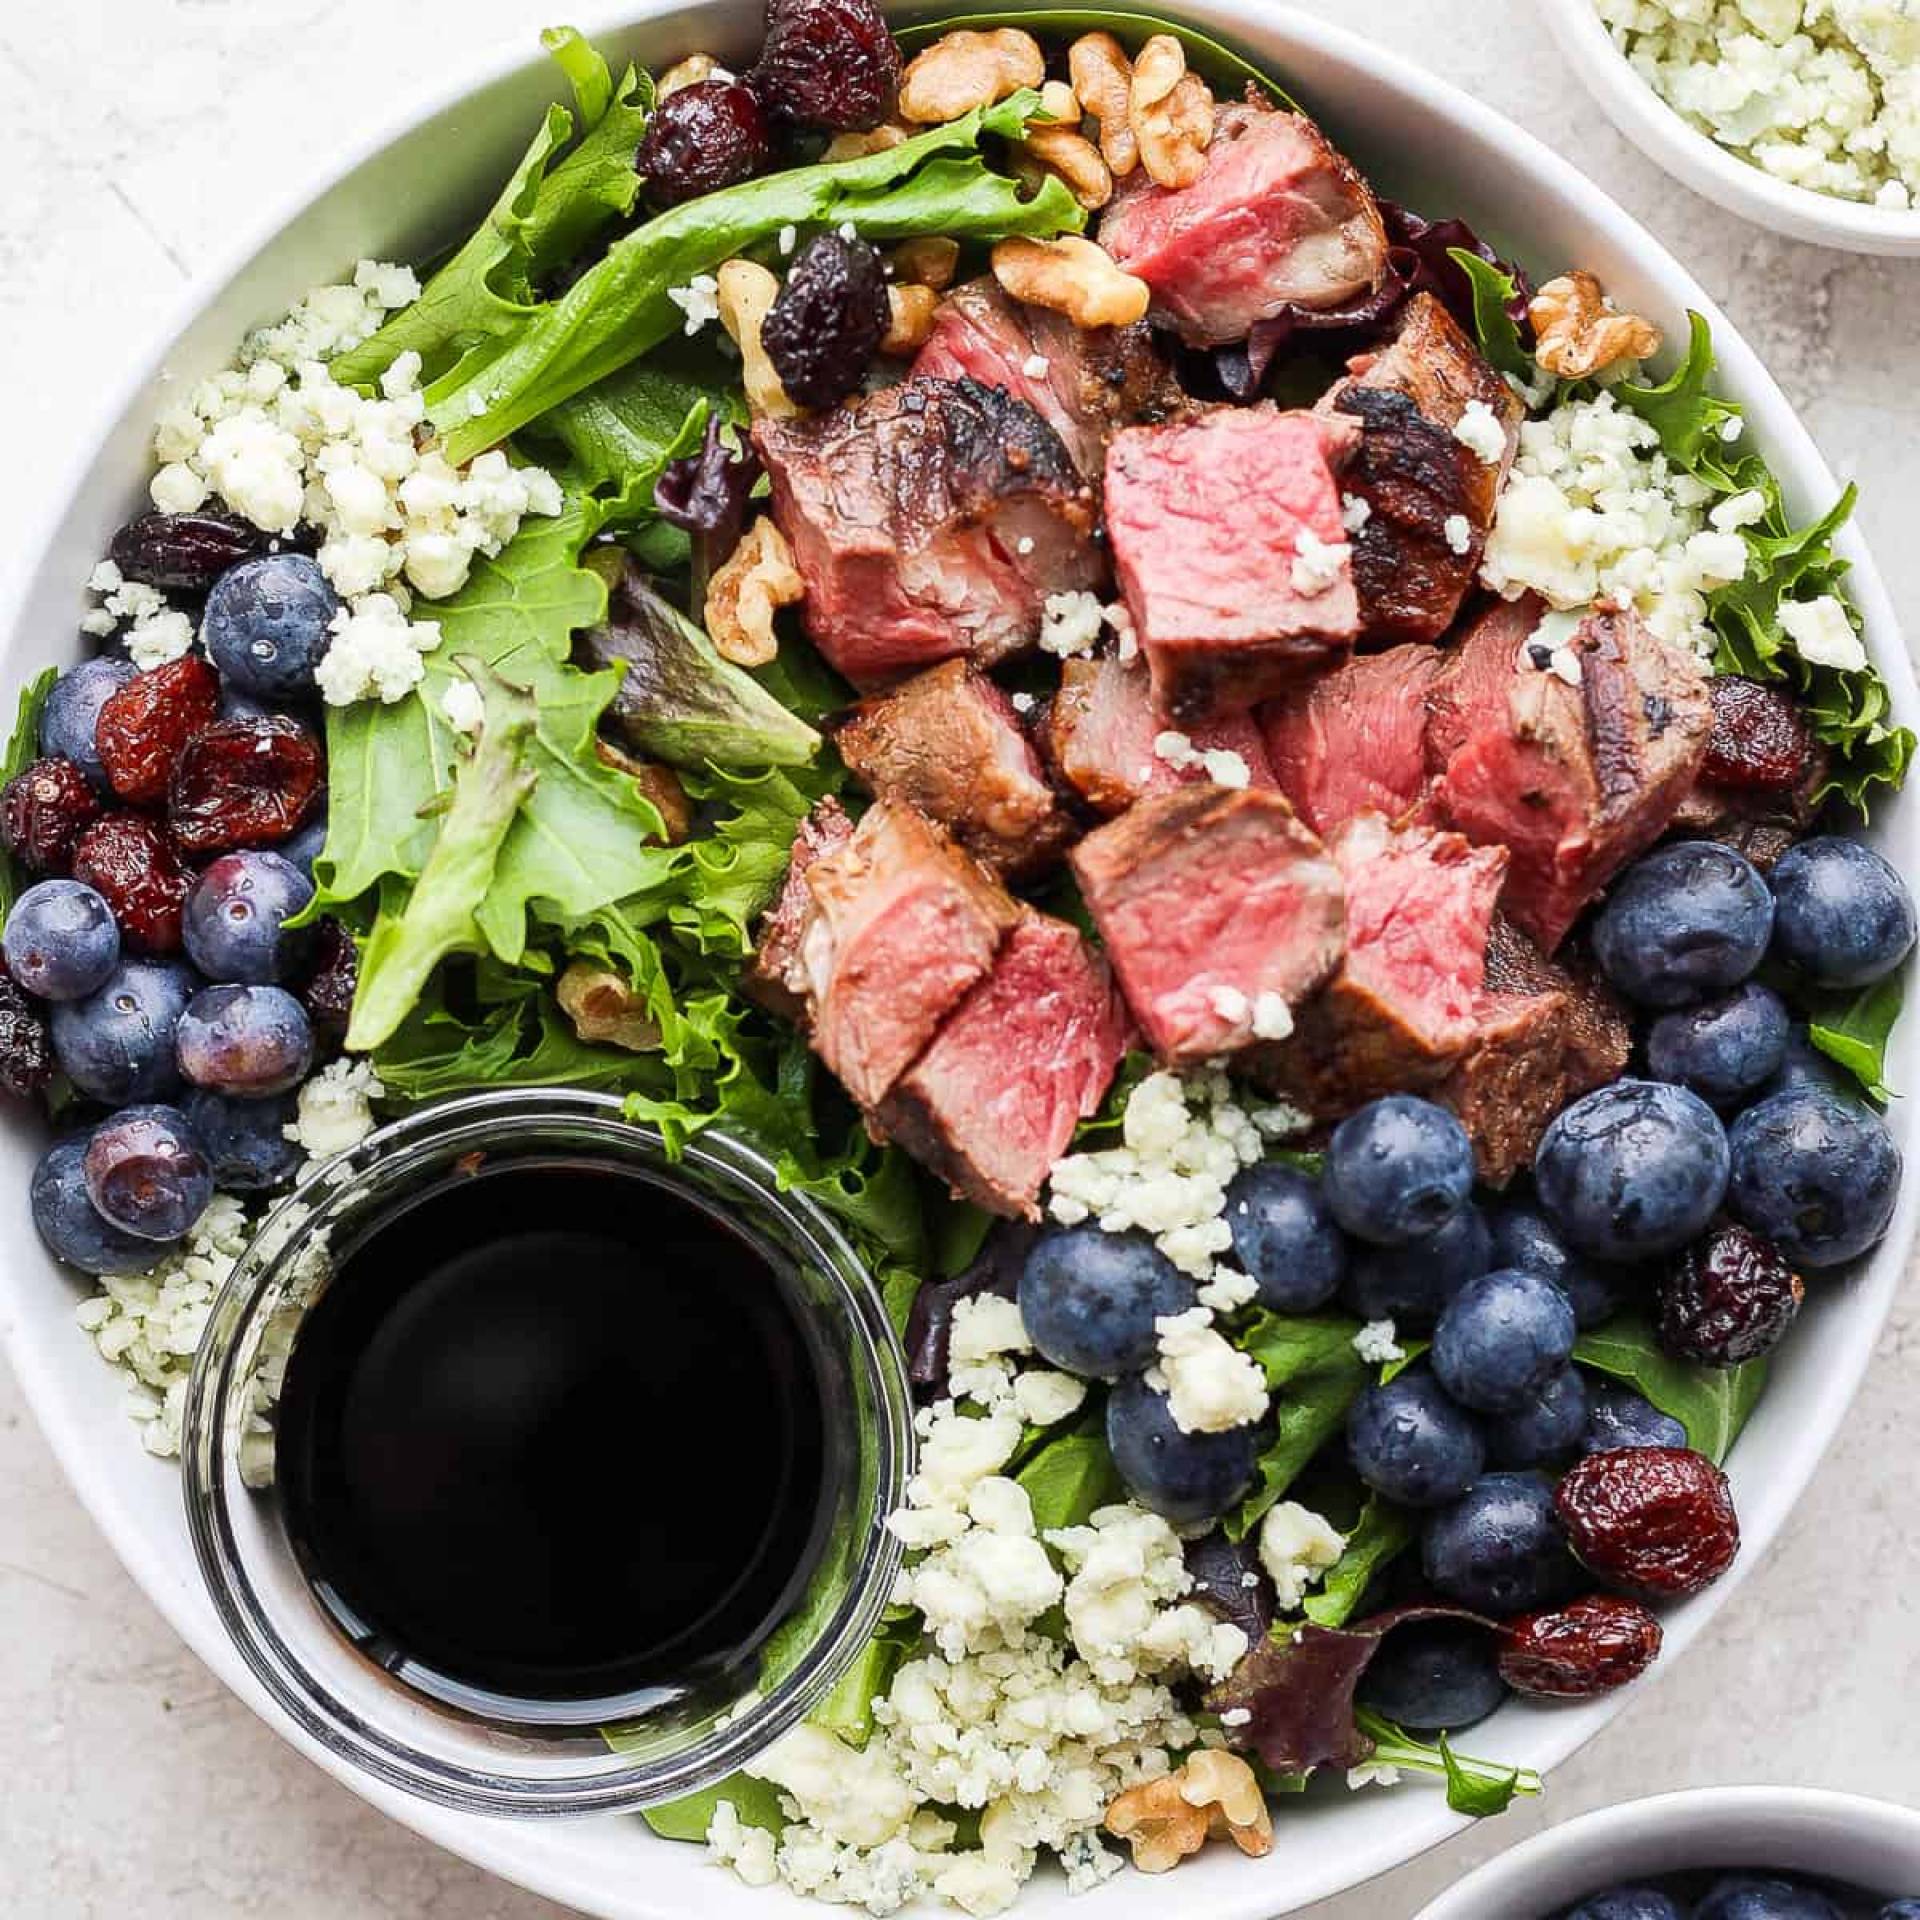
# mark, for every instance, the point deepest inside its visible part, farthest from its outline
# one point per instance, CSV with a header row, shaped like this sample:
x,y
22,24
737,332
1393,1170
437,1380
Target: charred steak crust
x,y
997,442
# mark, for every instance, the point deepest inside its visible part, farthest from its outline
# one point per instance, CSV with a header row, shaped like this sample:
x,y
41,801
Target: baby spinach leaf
x,y
755,1802
847,1712
1069,1478
1712,1403
1382,1532
1494,294
1853,1029
1315,1375
23,748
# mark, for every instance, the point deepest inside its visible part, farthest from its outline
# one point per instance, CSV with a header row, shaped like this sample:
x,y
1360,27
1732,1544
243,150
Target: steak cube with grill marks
x,y
1572,780
1228,540
1101,731
1218,908
775,980
1028,1054
948,743
930,521
1278,219
900,926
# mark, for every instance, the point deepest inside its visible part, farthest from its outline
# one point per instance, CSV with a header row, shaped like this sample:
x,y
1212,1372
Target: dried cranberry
x,y
243,783
1658,1521
824,328
186,551
43,810
710,135
1759,738
327,992
26,1049
1589,1646
143,726
128,860
828,63
1729,1297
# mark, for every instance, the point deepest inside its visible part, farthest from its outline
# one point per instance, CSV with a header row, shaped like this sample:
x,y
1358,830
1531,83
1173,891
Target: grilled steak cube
x,y
1023,1059
929,521
1354,739
901,925
1101,733
948,743
1228,539
1405,1005
1278,219
775,979
1083,382
1430,499
1573,779
1218,910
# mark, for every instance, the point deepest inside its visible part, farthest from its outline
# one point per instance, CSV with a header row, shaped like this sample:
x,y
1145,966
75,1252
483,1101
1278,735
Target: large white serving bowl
x,y
1672,141
1869,1845
405,192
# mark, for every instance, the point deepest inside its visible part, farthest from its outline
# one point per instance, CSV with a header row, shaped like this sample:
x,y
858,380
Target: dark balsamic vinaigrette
x,y
552,1446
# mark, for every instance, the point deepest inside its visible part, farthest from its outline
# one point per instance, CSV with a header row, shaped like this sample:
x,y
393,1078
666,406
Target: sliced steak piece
x,y
1228,539
1354,739
775,979
1598,1035
949,744
1430,499
1573,780
902,924
1278,219
1085,383
930,520
1218,909
1405,1005
1102,729
1023,1059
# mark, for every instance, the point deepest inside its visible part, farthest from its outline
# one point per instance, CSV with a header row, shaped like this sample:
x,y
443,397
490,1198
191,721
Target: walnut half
x,y
604,1009
746,590
1578,331
1214,1793
1071,276
964,69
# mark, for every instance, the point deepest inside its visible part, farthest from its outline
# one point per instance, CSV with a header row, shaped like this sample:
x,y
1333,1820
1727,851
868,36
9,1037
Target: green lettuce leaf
x,y
1476,1787
23,748
1068,1478
595,184
1494,292
1712,1403
1854,1029
936,182
755,1802
1316,1375
1381,1534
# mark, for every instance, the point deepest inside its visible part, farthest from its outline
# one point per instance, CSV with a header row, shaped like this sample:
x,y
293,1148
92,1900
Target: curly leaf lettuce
x,y
23,748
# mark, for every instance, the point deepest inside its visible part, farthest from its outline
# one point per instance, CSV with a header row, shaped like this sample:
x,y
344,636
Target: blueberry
x,y
146,1173
61,940
245,1141
1524,1237
1618,1417
1899,1910
1806,1066
1723,1049
1189,1478
236,704
236,918
1627,1903
1499,1550
1407,1440
1434,1676
1398,1169
1688,920
1285,1237
118,1043
69,1222
1750,1897
1815,1174
1841,914
1633,1171
1544,1429
1502,1338
269,623
301,849
1410,1284
72,712
245,1040
1090,1299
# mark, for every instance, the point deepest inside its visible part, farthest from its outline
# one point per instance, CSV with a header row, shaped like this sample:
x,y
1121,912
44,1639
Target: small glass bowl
x,y
458,1759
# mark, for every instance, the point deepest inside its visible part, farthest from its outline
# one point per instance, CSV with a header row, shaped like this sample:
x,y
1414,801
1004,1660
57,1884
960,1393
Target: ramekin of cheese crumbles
x,y
1800,115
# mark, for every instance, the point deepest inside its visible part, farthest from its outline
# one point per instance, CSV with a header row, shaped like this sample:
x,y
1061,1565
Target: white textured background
x,y
136,138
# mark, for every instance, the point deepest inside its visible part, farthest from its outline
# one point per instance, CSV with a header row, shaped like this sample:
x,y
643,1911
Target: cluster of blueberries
x,y
1738,1896
219,1032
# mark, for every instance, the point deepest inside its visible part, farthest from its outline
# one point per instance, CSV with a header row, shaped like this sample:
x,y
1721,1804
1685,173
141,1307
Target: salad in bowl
x,y
1262,800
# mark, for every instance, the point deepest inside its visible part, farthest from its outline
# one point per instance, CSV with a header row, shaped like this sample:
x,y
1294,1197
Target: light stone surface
x,y
136,136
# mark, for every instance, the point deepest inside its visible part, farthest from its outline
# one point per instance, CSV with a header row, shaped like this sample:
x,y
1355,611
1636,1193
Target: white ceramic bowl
x,y
1867,1844
1698,160
409,189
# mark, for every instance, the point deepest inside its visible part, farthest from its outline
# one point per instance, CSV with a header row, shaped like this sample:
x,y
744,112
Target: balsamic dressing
x,y
551,1446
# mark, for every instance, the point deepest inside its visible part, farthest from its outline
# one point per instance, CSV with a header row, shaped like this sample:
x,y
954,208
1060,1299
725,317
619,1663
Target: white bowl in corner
x,y
404,192
1699,161
1868,1845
